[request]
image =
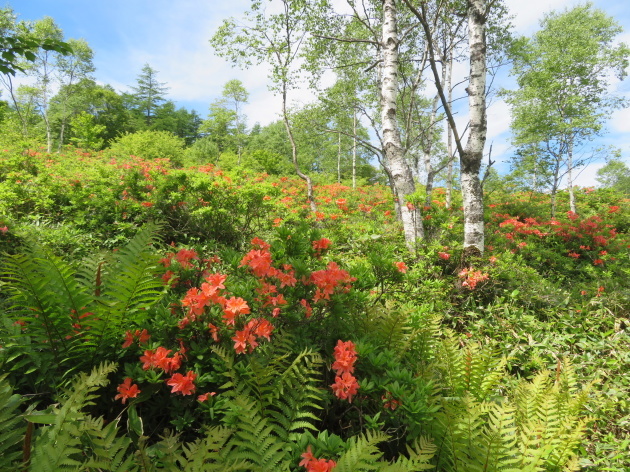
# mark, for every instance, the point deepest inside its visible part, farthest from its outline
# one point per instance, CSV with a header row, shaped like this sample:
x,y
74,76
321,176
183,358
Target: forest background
x,y
174,41
182,291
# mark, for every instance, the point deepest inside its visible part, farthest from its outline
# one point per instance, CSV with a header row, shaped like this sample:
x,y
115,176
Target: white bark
x,y
339,158
394,154
470,160
572,204
354,149
428,165
449,132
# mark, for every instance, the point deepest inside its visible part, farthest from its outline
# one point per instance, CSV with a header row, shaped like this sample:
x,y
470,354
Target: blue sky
x,y
172,36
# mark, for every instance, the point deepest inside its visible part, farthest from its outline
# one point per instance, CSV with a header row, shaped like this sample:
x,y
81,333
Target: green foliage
x,y
150,145
274,395
11,424
19,45
86,132
420,384
615,174
533,425
75,314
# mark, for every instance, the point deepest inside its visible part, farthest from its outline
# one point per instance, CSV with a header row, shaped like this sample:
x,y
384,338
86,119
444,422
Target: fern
x,y
126,285
58,446
75,314
274,393
208,454
12,426
476,369
549,421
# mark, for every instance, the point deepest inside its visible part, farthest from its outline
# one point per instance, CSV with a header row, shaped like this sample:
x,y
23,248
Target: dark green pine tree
x,y
148,94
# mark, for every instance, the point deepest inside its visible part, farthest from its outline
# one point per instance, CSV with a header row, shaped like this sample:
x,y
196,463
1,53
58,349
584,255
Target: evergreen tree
x,y
148,95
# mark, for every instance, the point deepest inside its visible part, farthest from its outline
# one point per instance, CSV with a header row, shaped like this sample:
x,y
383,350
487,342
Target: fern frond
x,y
107,450
254,440
362,453
12,426
208,454
58,446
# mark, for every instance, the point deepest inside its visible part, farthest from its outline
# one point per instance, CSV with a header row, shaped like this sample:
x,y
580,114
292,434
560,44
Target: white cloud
x,y
620,121
586,176
529,13
498,120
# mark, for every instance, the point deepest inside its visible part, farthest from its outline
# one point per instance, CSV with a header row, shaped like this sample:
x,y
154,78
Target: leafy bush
x,y
150,145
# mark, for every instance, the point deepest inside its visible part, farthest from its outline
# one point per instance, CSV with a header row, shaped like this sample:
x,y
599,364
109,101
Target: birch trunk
x,y
572,205
428,166
354,149
339,158
470,160
449,134
394,155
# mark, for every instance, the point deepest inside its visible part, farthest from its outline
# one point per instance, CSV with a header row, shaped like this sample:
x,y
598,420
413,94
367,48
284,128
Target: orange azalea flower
x,y
262,328
216,280
307,307
128,340
345,386
159,358
234,306
345,356
312,464
184,256
182,384
321,244
214,331
204,397
242,339
401,266
143,336
127,390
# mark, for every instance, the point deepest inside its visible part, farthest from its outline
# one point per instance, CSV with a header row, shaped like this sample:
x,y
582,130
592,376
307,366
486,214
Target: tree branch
x,y
346,40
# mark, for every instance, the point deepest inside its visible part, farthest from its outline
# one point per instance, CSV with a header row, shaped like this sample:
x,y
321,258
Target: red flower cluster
x,y
401,266
182,384
321,245
256,327
159,358
127,390
346,385
313,464
142,337
328,280
470,278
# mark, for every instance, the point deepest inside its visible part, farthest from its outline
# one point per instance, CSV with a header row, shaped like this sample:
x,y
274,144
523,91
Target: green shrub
x,y
150,145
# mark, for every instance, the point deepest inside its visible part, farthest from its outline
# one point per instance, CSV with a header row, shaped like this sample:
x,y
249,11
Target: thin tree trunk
x,y
448,84
354,149
428,166
572,205
472,192
309,183
339,158
394,154
61,134
555,185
